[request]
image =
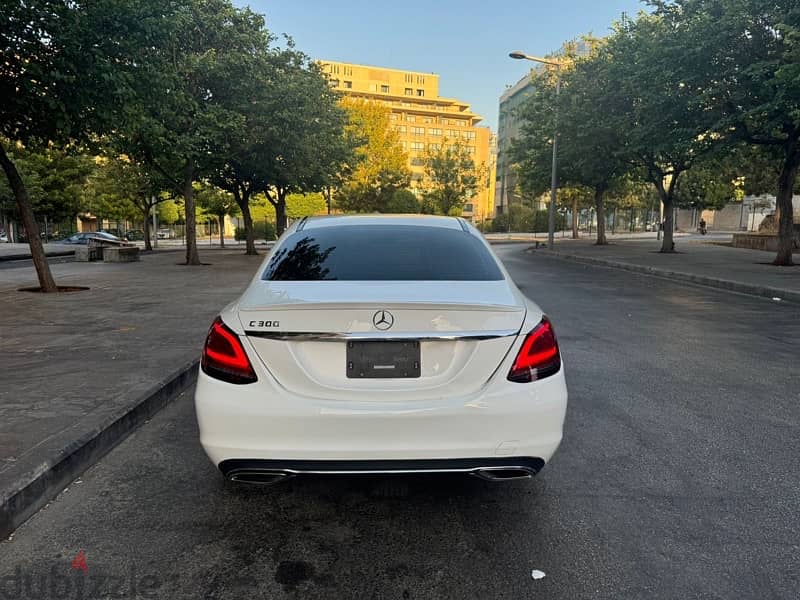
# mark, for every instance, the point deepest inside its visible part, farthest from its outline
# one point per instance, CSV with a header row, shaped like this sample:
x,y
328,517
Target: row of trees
x,y
700,99
185,98
175,94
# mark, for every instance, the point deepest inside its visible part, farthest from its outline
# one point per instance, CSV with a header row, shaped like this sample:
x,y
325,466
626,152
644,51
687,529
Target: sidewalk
x,y
735,269
80,370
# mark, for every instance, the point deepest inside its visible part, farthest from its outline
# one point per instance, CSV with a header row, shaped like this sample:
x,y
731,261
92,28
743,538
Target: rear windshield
x,y
382,253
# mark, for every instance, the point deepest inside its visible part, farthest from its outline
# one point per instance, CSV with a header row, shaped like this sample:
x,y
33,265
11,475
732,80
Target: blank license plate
x,y
383,360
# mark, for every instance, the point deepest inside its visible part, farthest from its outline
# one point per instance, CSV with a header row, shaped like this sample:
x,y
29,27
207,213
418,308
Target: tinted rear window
x,y
382,253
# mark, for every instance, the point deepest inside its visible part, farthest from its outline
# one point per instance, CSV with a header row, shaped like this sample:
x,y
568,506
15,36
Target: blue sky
x,y
465,42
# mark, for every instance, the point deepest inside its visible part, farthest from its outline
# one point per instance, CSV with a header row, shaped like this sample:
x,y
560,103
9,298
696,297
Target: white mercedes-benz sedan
x,y
381,344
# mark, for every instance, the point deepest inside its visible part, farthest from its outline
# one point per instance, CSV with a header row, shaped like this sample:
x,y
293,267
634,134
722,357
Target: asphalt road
x,y
677,478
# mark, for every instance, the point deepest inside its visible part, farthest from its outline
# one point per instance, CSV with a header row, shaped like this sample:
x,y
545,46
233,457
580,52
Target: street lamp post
x,y
551,221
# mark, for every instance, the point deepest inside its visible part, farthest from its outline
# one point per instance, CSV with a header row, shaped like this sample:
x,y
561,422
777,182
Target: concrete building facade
x,y
508,129
424,120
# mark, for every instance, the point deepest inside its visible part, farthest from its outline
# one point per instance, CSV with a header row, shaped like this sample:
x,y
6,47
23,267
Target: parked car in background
x,y
83,238
135,235
3,237
165,234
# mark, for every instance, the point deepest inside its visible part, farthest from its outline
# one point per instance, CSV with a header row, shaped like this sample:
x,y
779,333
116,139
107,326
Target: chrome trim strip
x,y
307,336
471,470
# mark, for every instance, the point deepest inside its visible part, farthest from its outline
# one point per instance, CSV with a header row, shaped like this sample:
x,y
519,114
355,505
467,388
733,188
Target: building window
x,y
427,120
435,147
443,121
434,131
348,85
348,70
468,207
453,133
420,93
409,78
403,145
417,146
418,130
417,162
334,82
400,128
411,118
469,135
471,150
420,79
385,89
409,92
461,122
393,116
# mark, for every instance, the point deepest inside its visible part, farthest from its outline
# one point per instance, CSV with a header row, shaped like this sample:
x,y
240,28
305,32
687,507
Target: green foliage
x,y
262,230
525,219
380,164
170,211
54,179
451,177
403,202
214,201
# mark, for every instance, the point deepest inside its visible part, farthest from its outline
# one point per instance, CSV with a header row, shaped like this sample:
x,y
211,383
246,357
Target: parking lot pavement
x,y
676,479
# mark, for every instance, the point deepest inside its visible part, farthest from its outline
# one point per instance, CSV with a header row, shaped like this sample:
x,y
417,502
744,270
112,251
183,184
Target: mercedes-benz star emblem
x,y
382,320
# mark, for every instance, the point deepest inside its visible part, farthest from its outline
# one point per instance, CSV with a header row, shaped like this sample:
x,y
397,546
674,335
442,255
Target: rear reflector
x,y
539,356
224,357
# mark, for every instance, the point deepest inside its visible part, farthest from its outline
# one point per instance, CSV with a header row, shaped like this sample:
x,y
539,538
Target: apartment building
x,y
424,120
508,128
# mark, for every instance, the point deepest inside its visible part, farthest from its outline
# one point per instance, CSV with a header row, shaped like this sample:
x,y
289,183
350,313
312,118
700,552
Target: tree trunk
x,y
575,218
221,219
280,213
192,256
666,195
601,216
46,281
148,245
786,211
243,200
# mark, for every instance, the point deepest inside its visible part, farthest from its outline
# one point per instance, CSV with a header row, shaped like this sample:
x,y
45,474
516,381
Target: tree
x,y
652,105
65,68
745,57
54,179
291,139
217,202
588,151
403,202
180,114
451,176
380,164
125,188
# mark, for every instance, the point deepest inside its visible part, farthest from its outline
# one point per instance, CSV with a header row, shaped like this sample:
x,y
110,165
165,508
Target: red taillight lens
x,y
539,356
224,357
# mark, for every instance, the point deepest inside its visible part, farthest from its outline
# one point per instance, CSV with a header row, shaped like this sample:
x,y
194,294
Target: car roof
x,y
413,220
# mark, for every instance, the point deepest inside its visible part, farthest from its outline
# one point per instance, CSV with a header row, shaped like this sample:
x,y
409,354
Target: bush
x,y
263,230
526,220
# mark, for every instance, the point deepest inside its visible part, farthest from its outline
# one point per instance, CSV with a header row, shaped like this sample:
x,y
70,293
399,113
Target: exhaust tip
x,y
259,477
504,473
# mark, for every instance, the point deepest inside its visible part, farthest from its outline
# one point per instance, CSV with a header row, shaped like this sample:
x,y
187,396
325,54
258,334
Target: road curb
x,y
36,487
713,282
28,256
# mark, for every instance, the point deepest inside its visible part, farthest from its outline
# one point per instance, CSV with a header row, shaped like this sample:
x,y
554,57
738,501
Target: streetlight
x,y
551,221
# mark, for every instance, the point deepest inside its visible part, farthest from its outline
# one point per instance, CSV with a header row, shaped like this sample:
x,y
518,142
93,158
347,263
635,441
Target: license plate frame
x,y
383,359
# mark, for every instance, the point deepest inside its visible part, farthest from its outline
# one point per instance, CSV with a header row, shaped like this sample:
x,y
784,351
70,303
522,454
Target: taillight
x,y
539,357
224,357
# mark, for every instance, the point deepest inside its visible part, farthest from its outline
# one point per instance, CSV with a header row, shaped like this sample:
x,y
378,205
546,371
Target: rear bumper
x,y
269,471
264,423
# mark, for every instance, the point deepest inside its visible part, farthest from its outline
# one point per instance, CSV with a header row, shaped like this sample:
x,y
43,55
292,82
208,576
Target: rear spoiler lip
x,y
420,305
422,336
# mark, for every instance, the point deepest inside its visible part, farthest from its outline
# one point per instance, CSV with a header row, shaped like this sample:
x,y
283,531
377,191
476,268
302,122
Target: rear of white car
x,y
381,345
